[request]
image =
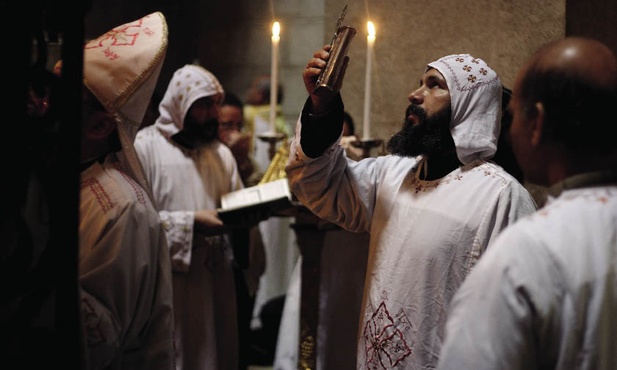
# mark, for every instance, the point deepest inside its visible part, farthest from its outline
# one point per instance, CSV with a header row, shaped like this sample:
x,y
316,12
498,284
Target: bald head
x,y
582,58
563,104
575,81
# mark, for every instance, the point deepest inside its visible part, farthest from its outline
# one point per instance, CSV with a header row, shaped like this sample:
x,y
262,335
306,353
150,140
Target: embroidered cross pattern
x,y
125,35
385,346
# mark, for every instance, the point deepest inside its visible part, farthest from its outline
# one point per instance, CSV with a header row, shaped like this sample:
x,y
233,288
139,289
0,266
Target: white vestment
x,y
425,238
342,270
124,273
544,296
341,284
184,181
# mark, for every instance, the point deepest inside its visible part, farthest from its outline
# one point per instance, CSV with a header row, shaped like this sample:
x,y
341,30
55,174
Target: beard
x,y
202,132
430,136
195,134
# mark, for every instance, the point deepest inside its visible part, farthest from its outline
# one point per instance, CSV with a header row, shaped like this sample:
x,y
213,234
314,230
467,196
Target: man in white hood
x,y
190,169
432,207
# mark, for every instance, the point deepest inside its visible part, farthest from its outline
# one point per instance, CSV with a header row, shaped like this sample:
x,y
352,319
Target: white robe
x,y
184,181
124,273
343,267
545,294
425,238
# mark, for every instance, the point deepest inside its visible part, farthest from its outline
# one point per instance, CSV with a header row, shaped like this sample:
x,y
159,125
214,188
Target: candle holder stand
x,y
366,145
271,138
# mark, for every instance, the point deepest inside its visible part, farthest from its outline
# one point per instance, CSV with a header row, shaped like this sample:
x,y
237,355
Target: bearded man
x,y
190,169
432,206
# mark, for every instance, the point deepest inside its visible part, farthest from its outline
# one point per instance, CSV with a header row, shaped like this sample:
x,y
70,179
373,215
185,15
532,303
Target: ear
x,y
103,124
538,125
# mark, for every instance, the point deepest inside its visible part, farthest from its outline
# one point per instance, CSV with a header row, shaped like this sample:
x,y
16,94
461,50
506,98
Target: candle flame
x,y
276,29
371,29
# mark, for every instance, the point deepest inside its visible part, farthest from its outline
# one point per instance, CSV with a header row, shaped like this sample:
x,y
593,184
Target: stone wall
x,y
232,39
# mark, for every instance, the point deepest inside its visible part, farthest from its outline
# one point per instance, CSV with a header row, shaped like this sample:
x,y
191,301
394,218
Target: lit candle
x,y
370,41
276,29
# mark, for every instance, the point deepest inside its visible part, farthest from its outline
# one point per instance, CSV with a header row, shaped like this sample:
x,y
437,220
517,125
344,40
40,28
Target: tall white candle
x,y
276,29
370,41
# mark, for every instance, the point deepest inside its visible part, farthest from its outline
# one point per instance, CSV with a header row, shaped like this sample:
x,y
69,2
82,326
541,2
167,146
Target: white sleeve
x,y
179,227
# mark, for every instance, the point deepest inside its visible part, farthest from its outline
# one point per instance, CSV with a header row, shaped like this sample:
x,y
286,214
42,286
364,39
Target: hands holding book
x,y
208,223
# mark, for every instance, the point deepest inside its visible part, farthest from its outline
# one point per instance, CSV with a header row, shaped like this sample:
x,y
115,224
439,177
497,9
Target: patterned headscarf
x,y
121,68
475,93
188,84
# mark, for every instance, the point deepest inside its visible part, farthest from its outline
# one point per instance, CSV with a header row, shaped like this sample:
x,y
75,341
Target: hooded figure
x,y
472,83
190,169
188,84
124,265
426,232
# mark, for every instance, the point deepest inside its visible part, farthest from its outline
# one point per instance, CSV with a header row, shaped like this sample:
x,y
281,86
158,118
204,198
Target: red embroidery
x,y
110,54
121,36
99,193
385,345
139,192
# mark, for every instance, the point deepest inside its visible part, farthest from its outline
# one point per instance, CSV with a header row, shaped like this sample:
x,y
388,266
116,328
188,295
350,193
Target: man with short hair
x,y
544,296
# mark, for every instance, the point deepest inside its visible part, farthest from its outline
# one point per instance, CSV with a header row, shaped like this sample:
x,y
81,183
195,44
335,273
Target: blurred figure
x,y
544,295
231,124
28,263
124,265
232,133
257,119
190,169
281,247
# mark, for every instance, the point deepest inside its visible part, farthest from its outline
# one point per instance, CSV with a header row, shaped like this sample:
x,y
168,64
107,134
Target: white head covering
x,y
188,84
121,69
475,93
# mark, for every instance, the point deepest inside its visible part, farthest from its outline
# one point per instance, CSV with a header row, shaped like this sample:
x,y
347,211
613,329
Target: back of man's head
x,y
575,79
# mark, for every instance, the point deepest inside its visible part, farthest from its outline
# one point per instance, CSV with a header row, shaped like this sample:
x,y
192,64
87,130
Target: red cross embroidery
x,y
121,36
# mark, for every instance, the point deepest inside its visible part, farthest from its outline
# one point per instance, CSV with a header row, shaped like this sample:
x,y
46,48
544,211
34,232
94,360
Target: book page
x,y
256,194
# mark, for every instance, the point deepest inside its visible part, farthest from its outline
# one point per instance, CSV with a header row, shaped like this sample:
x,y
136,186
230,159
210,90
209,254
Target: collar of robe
x,y
584,180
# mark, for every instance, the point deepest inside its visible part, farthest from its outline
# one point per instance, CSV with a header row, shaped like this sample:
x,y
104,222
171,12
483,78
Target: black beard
x,y
430,136
195,134
203,132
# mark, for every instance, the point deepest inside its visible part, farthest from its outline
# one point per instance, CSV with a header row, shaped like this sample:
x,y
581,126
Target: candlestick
x,y
370,41
276,29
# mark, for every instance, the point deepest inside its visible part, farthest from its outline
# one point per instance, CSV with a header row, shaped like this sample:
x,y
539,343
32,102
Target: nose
x,y
416,96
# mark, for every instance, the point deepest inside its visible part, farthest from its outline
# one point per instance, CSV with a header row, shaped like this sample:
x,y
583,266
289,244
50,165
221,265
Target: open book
x,y
265,197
